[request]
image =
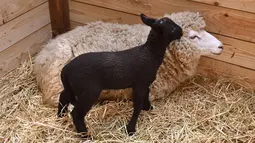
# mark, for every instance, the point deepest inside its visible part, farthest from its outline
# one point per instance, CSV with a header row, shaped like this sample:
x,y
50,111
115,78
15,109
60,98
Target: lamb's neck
x,y
156,44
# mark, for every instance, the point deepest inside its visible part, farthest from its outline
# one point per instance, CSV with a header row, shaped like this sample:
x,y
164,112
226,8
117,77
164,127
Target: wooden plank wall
x,y
232,22
24,26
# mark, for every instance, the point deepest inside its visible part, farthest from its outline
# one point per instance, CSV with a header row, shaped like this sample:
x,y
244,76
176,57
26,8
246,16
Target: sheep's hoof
x,y
130,130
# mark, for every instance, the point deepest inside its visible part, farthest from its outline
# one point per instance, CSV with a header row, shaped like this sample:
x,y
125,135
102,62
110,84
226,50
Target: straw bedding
x,y
202,110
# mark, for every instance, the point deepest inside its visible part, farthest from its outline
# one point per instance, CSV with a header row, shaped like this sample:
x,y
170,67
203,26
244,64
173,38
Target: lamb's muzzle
x,y
87,75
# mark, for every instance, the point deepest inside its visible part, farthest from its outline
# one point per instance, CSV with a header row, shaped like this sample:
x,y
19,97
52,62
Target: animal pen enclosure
x,y
223,111
25,23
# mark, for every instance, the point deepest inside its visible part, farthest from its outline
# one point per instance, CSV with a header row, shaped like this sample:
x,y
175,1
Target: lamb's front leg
x,y
139,93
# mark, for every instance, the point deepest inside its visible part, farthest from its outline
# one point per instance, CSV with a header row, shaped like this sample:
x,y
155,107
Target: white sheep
x,y
180,63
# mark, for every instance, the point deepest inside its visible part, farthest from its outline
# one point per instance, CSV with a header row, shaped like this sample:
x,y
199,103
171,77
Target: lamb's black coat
x,y
88,74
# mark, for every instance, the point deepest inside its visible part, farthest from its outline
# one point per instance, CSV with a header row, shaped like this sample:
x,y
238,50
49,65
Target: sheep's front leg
x,y
146,102
138,98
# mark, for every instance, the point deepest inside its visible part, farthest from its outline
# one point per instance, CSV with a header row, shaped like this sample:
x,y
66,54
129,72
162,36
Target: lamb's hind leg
x,y
146,102
63,103
83,104
139,93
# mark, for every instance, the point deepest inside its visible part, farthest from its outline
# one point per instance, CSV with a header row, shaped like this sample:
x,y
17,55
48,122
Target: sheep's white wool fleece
x,y
180,62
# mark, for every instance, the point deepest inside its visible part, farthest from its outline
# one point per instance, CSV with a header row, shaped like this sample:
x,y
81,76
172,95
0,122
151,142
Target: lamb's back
x,y
114,70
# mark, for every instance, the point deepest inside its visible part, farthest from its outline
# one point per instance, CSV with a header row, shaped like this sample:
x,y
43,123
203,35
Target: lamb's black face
x,y
169,28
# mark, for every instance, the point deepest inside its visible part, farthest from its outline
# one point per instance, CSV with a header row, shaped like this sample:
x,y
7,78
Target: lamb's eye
x,y
194,37
162,21
173,29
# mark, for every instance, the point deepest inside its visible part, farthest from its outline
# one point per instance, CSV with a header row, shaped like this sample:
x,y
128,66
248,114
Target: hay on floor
x,y
203,110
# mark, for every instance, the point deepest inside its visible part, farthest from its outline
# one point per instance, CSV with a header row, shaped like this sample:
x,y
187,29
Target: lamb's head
x,y
164,28
205,42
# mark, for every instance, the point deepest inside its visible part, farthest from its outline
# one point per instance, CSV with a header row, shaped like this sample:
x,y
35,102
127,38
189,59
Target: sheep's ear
x,y
148,21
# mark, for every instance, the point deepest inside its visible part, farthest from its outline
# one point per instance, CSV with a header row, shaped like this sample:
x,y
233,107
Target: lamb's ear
x,y
146,20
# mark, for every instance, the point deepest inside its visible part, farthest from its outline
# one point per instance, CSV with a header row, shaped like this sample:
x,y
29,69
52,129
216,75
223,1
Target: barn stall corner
x,y
214,105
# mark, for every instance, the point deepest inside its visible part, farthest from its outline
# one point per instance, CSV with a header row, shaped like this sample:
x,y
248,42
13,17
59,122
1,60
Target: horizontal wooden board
x,y
24,25
229,22
244,5
75,24
11,9
236,51
86,13
17,53
212,67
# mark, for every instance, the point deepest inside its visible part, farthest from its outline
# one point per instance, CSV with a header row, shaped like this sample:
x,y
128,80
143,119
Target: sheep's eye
x,y
193,37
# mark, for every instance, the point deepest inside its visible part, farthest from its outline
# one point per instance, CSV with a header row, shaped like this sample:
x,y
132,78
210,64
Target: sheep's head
x,y
165,26
193,26
205,42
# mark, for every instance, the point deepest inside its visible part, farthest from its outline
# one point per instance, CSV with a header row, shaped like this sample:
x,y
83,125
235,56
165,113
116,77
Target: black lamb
x,y
87,75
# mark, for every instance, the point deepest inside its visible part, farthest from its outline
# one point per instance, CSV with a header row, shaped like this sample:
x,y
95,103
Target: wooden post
x,y
59,16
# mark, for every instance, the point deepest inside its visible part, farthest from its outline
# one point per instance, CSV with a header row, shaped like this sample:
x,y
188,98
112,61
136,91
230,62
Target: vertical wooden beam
x,y
59,16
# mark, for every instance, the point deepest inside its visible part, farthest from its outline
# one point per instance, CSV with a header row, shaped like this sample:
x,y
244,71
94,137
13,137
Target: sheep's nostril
x,y
221,47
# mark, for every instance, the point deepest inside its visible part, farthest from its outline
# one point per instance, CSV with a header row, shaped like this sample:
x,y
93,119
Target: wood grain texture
x,y
1,19
212,67
24,25
84,13
75,24
10,9
59,15
17,53
244,5
236,51
229,22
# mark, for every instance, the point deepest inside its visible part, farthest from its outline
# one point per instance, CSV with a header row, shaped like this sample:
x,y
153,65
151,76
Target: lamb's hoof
x,y
61,115
85,135
147,107
130,130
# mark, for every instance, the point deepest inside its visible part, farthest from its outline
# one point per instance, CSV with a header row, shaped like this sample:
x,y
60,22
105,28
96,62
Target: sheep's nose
x,y
221,47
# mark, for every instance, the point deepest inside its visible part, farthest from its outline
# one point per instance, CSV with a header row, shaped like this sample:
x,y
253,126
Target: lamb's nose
x,y
221,47
181,33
